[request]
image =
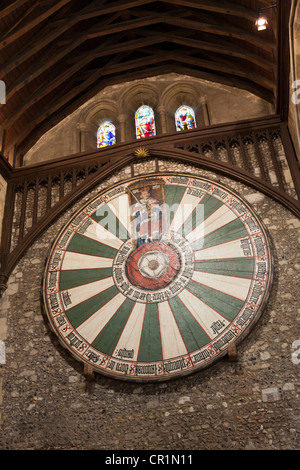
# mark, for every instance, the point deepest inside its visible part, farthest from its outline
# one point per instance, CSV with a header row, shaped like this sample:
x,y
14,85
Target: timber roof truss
x,y
55,55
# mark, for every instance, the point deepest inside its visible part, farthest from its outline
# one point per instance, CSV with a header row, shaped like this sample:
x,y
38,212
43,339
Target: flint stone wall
x,y
47,403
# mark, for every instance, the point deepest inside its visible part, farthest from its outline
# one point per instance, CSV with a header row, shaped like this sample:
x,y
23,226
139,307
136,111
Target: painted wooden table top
x,y
155,278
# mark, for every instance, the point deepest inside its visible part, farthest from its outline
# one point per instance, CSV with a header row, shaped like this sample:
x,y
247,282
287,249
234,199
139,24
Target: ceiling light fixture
x,y
261,23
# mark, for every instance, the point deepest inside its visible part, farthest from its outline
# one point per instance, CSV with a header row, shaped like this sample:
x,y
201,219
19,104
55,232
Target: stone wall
x,y
47,403
118,103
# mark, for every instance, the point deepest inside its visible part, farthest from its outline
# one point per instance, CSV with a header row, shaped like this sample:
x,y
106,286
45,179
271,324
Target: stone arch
x,y
91,118
135,96
164,93
184,93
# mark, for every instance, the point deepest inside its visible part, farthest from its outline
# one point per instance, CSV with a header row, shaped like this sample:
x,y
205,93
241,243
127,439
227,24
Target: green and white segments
x,y
133,332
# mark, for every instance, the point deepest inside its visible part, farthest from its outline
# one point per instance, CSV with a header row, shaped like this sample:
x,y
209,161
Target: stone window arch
x,y
184,93
93,115
133,97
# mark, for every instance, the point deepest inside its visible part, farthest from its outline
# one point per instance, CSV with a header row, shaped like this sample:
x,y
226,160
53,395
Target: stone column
x,y
81,136
204,111
122,121
162,117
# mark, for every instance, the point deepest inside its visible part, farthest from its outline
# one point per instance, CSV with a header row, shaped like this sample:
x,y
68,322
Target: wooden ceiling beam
x,y
153,38
120,68
228,69
125,17
186,57
42,41
9,9
106,9
100,30
26,139
181,22
33,48
62,78
39,67
217,7
227,80
126,26
219,30
32,23
33,133
208,23
132,45
95,32
219,48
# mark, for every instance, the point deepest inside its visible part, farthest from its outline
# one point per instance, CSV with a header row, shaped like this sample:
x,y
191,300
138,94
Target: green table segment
x,y
155,278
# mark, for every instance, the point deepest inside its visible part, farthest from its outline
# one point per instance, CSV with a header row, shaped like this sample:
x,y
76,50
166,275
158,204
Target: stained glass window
x,y
185,118
106,135
144,122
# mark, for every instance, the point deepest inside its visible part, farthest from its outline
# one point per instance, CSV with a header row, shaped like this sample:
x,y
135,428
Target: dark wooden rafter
x,y
148,38
204,5
105,8
155,56
61,107
219,48
219,7
68,22
228,67
56,31
23,28
59,112
86,46
216,29
92,80
38,68
16,27
11,7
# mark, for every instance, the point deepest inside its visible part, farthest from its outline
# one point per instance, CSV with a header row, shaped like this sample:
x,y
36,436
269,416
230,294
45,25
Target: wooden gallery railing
x,y
257,153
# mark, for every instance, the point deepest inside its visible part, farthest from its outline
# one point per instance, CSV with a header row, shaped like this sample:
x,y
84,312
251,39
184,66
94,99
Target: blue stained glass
x,y
185,118
106,135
